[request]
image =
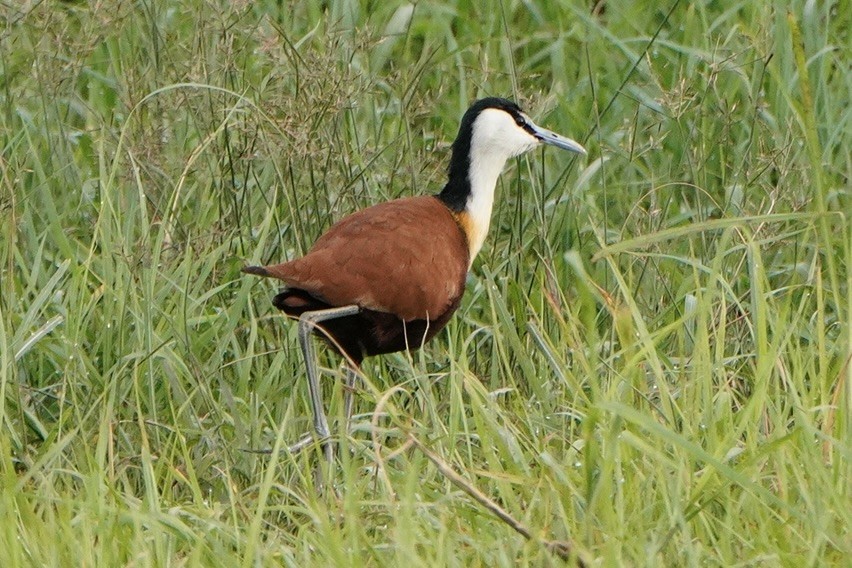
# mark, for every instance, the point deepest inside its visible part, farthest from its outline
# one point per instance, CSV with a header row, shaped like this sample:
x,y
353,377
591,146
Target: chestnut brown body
x,y
403,263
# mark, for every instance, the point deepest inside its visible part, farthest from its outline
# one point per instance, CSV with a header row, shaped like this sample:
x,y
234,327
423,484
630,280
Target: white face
x,y
496,133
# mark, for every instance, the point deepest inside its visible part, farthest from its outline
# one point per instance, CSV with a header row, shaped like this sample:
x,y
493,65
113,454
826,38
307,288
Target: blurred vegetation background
x,y
652,359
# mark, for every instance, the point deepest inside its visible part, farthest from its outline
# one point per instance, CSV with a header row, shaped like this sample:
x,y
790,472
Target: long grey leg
x,y
307,322
349,392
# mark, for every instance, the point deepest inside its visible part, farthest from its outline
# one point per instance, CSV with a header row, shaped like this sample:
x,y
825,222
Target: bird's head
x,y
492,131
499,127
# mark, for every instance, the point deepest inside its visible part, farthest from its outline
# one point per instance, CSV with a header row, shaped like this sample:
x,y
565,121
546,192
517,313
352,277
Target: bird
x,y
389,277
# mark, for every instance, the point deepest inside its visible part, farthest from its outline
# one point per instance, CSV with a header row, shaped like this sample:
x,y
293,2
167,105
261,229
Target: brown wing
x,y
407,257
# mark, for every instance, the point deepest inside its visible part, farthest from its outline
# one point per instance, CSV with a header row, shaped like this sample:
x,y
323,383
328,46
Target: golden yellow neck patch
x,y
474,232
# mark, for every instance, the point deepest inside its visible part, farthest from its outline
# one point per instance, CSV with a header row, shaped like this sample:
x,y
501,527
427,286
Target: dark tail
x,y
256,270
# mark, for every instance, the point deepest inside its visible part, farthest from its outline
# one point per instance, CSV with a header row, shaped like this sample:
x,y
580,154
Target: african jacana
x,y
388,277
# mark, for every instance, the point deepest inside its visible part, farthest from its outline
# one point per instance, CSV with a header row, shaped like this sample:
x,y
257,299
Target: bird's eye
x,y
519,120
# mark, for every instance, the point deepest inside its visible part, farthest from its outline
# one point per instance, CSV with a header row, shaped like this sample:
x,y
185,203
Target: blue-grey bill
x,y
554,139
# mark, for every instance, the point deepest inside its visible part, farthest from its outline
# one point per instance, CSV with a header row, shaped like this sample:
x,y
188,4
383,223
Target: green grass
x,y
652,359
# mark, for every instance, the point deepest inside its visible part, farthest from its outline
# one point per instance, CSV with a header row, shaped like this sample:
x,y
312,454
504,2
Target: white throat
x,y
496,138
485,168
